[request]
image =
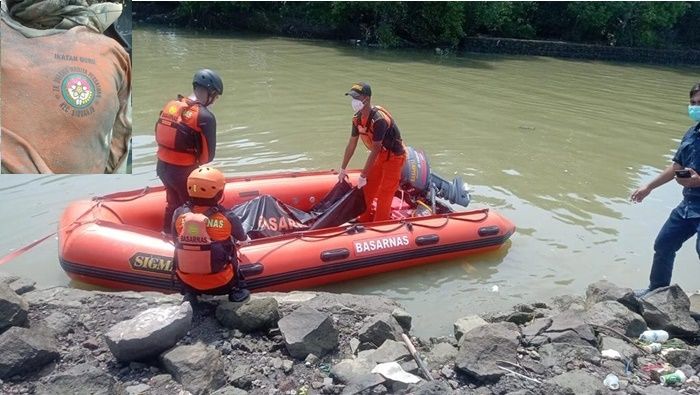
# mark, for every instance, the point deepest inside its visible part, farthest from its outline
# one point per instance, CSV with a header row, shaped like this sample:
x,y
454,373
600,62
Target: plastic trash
x,y
611,354
494,288
653,347
393,371
611,381
657,336
677,377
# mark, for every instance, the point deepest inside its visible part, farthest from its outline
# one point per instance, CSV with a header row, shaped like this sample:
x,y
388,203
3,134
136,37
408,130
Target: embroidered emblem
x,y
78,90
186,115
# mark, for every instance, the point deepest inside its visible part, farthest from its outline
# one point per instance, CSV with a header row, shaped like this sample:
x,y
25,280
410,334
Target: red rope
x,y
15,254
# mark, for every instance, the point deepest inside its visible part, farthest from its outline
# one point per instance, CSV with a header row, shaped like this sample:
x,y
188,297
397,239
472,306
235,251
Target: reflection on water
x,y
555,145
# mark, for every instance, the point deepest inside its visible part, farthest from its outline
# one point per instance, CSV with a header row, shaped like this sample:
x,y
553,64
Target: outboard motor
x,y
416,173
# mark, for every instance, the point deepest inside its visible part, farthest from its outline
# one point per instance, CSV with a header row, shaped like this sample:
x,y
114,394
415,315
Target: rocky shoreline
x,y
68,341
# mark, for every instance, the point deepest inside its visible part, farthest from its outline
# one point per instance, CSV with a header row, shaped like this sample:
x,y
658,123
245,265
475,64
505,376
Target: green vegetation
x,y
445,24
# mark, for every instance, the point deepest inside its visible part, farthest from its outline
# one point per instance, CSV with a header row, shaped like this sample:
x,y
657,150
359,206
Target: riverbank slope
x,y
63,340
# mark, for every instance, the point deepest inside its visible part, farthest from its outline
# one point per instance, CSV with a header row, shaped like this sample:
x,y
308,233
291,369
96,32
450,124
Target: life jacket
x,y
179,137
199,249
392,139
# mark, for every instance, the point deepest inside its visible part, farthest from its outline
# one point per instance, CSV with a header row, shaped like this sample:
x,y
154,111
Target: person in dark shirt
x,y
381,174
186,137
684,221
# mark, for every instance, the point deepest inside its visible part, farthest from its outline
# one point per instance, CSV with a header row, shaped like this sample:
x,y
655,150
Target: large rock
x,y
24,351
568,303
59,297
352,370
440,355
13,308
482,347
362,383
18,284
616,316
364,305
22,286
257,314
197,367
403,318
58,323
570,327
533,333
668,308
559,354
239,375
390,351
604,290
580,383
625,349
149,333
7,278
308,331
695,304
465,324
80,380
379,328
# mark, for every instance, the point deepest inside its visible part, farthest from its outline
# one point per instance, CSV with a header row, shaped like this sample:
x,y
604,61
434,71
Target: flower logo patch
x,y
78,90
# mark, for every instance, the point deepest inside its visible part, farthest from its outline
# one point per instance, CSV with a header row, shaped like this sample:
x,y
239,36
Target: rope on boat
x,y
358,228
98,199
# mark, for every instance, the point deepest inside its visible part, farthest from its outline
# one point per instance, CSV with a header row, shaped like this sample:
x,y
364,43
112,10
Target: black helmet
x,y
208,79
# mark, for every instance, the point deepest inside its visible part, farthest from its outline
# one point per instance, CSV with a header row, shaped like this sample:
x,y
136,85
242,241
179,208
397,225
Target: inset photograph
x,y
66,87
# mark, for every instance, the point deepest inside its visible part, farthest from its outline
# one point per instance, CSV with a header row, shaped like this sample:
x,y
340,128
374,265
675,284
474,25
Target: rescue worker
x,y
381,174
186,137
66,88
204,233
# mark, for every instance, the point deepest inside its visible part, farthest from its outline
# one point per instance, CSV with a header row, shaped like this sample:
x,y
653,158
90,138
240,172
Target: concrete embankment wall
x,y
579,51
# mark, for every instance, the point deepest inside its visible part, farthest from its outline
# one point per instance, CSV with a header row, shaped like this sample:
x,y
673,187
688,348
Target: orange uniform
x,y
65,100
385,174
184,133
186,137
216,266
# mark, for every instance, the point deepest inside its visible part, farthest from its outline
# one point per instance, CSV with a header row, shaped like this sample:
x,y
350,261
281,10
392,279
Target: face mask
x,y
694,113
357,105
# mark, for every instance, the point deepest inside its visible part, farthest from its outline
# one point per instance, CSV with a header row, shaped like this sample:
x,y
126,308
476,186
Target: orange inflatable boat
x,y
115,241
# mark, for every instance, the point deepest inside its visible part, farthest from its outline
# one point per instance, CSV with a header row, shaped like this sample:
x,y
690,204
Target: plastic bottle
x,y
611,381
653,347
657,336
677,377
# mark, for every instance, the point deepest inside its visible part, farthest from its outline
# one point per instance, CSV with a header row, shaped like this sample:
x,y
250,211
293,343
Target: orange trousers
x,y
382,182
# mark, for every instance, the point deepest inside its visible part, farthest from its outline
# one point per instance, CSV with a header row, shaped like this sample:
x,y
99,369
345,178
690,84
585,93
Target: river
x,y
555,145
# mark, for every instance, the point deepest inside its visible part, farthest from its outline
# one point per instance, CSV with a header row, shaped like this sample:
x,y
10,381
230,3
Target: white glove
x,y
362,181
342,174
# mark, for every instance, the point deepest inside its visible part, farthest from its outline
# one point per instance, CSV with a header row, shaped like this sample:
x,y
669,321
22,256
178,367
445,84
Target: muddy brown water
x,y
555,145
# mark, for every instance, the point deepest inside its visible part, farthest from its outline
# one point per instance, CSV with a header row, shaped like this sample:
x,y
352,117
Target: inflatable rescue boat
x,y
115,241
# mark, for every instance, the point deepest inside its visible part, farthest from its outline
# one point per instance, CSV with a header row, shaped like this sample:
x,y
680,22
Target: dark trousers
x,y
175,180
671,237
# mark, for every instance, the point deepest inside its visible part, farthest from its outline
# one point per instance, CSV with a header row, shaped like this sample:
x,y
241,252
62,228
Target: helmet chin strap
x,y
210,98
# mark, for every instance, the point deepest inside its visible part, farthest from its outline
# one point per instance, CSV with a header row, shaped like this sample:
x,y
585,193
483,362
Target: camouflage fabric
x,y
62,14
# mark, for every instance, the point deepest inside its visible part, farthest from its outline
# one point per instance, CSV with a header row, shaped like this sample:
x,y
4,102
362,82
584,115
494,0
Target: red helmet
x,y
205,182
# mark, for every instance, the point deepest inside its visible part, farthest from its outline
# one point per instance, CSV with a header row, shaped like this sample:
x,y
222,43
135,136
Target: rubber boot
x,y
238,295
190,297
